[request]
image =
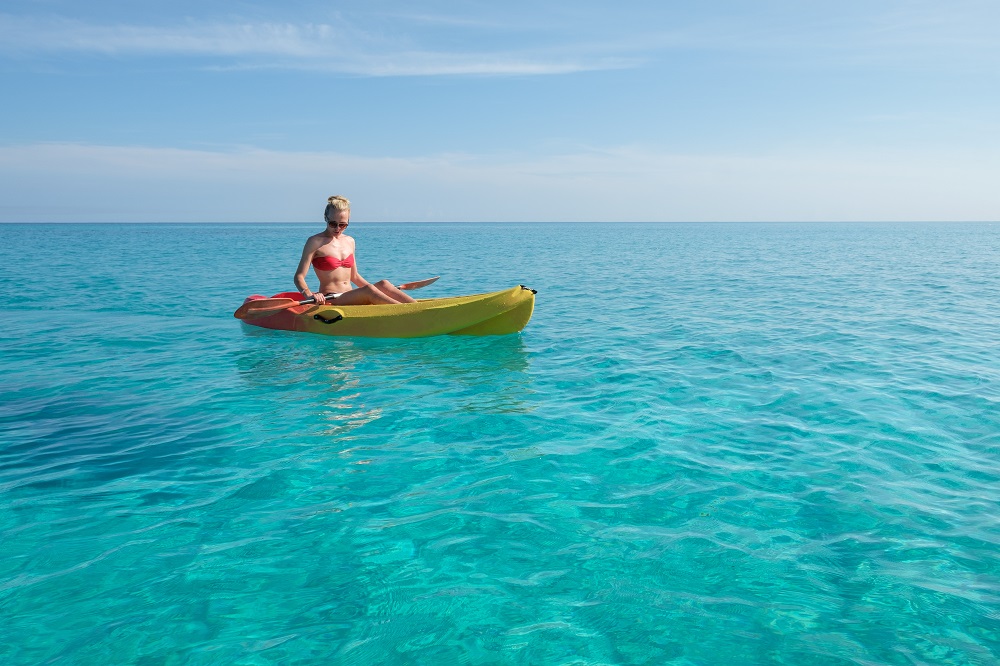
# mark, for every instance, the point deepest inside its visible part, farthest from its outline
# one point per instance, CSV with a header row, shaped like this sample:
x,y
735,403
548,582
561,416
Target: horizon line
x,y
258,222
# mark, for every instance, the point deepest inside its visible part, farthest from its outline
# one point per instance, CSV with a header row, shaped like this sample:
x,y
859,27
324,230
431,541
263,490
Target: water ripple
x,y
779,444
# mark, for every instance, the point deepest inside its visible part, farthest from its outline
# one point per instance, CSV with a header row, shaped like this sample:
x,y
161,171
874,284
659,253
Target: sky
x,y
733,110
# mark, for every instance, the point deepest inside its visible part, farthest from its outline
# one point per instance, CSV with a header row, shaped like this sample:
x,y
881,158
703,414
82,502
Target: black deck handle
x,y
319,317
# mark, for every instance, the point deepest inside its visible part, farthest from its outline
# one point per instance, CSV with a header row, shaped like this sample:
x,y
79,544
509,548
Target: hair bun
x,y
337,204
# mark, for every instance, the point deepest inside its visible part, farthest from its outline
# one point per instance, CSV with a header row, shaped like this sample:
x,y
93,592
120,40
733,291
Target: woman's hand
x,y
320,298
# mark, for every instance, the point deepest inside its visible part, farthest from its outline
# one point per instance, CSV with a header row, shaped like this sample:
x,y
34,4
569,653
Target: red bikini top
x,y
331,263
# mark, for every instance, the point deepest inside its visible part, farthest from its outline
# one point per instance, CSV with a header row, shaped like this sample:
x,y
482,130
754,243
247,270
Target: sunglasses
x,y
334,225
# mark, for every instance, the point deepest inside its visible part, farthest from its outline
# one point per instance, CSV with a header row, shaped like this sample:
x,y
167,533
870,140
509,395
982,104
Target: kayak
x,y
496,313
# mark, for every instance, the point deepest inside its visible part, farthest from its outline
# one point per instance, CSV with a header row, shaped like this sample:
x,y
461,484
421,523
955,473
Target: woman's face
x,y
338,222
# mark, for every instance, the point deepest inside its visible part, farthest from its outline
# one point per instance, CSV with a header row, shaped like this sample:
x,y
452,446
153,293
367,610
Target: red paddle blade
x,y
417,284
263,305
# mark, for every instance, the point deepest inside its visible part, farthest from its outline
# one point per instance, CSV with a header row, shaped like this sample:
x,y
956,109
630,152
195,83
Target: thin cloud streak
x,y
314,47
423,64
915,36
64,35
623,184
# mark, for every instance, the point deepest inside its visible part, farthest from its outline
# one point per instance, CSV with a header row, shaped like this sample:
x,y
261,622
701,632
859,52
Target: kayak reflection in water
x,y
332,255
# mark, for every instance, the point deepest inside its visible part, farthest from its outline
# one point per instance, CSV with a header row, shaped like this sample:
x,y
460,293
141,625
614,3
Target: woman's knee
x,y
375,296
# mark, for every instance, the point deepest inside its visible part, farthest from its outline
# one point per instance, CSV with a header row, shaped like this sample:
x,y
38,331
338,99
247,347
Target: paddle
x,y
419,283
263,305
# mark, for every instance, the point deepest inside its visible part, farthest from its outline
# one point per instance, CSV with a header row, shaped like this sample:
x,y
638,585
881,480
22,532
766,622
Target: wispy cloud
x,y
437,64
58,34
54,182
313,46
479,42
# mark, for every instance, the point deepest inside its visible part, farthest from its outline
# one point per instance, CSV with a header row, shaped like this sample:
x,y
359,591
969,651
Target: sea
x,y
712,444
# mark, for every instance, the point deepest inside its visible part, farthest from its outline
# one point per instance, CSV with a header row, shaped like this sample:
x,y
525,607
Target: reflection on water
x,y
500,351
486,374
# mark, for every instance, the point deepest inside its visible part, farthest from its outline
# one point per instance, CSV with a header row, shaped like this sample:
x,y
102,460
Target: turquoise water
x,y
713,444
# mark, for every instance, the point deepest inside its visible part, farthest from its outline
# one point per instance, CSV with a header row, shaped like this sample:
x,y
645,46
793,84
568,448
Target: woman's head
x,y
336,204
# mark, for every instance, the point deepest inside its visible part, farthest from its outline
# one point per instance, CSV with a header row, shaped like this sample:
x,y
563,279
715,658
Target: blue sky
x,y
485,111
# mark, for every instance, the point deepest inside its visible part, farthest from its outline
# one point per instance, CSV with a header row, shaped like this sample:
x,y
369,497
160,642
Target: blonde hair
x,y
337,203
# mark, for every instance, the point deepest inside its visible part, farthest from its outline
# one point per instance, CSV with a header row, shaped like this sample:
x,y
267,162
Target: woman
x,y
332,256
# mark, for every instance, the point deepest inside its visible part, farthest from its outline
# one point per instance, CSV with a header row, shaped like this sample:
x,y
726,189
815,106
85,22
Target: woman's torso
x,y
333,263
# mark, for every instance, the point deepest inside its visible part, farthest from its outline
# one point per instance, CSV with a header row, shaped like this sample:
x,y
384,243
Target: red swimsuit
x,y
332,263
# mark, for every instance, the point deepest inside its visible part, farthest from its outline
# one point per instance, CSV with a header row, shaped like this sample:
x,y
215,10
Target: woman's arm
x,y
303,268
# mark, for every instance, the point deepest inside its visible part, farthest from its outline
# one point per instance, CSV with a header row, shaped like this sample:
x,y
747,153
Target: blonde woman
x,y
332,255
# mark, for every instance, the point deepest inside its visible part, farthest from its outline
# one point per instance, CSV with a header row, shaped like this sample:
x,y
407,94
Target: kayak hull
x,y
496,313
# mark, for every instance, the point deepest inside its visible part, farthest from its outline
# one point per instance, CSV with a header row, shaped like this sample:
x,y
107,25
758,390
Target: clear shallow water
x,y
775,444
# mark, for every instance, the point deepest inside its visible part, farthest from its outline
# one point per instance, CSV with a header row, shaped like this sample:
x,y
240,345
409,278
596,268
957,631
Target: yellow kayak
x,y
496,313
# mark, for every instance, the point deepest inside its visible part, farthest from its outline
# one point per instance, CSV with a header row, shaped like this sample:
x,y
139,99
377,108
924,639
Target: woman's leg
x,y
367,295
390,290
